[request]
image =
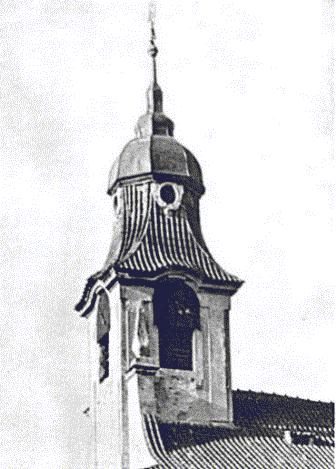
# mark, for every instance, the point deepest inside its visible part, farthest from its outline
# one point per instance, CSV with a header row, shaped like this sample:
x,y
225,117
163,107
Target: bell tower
x,y
158,311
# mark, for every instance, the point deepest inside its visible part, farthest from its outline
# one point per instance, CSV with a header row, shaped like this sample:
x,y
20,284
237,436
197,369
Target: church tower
x,y
158,311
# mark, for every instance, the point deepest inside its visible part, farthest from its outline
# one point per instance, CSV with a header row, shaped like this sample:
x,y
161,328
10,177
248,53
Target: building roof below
x,y
271,431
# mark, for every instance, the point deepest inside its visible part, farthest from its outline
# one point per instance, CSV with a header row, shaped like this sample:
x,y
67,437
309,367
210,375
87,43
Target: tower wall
x,y
215,313
201,395
107,421
117,432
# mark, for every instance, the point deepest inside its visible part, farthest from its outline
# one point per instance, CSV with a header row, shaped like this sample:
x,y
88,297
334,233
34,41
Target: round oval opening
x,y
168,194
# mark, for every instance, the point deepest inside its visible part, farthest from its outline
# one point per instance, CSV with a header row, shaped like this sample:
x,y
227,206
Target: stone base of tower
x,y
173,396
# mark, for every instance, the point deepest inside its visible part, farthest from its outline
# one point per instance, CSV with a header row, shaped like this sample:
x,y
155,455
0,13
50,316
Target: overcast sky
x,y
248,85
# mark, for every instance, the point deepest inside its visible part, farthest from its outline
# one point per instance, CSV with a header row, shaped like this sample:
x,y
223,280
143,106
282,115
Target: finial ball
x,y
153,50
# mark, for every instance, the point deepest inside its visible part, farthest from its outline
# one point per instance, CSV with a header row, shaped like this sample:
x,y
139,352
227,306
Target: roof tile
x,y
257,441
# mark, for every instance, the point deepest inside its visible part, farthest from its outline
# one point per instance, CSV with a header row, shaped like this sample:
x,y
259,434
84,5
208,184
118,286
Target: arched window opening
x,y
103,328
176,312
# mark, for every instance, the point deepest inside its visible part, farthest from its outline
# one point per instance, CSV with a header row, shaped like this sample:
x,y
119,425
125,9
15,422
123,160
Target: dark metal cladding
x,y
158,155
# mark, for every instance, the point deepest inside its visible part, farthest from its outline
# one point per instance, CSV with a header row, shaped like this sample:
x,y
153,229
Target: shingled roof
x,y
162,241
155,241
271,431
253,409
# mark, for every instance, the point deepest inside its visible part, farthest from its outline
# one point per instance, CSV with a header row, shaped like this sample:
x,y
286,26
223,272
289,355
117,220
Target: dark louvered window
x,y
176,309
103,328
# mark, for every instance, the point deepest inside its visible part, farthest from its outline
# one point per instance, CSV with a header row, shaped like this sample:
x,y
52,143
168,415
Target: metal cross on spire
x,y
151,17
154,122
153,50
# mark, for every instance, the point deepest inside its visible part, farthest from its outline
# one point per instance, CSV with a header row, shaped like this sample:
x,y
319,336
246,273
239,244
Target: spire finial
x,y
153,50
154,122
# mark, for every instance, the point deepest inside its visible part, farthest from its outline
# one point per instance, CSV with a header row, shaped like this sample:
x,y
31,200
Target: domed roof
x,y
154,152
160,156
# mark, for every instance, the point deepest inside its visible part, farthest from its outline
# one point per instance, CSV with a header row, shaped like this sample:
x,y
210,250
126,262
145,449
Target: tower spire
x,y
154,94
153,50
154,122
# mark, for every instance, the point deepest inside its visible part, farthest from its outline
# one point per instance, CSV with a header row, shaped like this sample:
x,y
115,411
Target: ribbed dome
x,y
160,156
154,152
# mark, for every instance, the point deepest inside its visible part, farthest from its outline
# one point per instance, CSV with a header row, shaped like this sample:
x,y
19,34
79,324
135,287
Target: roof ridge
x,y
269,394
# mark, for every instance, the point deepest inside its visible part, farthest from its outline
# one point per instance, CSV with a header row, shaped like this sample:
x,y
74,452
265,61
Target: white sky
x,y
248,85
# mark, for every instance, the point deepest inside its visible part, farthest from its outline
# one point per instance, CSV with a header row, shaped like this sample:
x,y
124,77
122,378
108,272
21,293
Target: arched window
x,y
176,312
103,328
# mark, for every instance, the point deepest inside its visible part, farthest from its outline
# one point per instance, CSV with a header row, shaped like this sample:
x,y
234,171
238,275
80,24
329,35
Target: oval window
x,y
168,194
